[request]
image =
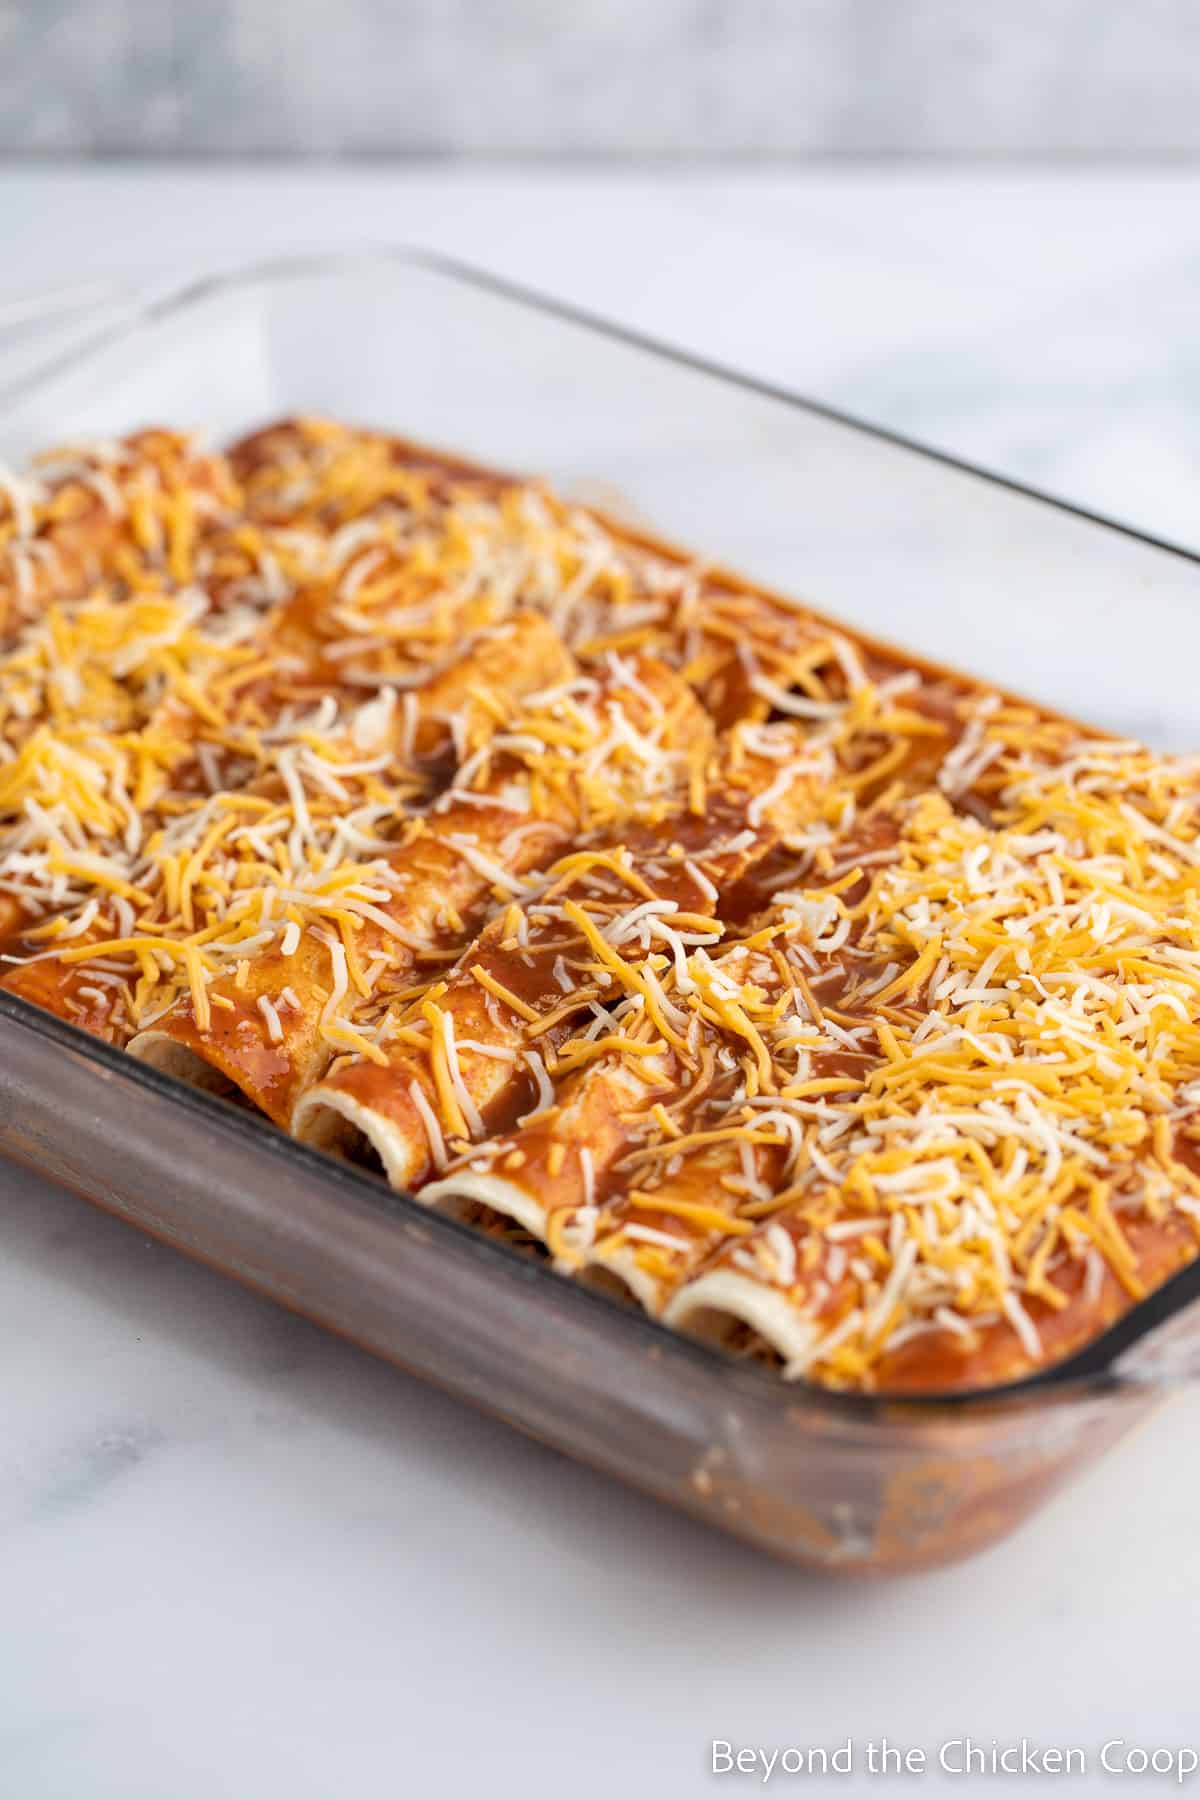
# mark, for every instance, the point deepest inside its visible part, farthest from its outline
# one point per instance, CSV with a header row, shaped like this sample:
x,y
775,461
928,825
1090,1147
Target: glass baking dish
x,y
898,541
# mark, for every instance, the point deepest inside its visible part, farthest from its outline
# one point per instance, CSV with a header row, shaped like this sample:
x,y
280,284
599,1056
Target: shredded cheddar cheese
x,y
849,1006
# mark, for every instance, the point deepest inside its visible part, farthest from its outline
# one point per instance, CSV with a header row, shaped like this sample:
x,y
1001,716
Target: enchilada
x,y
832,1007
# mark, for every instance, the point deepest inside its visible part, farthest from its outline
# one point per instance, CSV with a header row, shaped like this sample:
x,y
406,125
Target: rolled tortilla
x,y
441,709
565,1160
95,999
272,1053
558,1171
338,758
805,1293
327,474
102,512
554,1160
272,1030
682,1199
518,993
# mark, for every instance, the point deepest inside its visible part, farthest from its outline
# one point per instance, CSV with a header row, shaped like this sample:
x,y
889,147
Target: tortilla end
x,y
159,1050
461,1194
619,1276
717,1305
336,1123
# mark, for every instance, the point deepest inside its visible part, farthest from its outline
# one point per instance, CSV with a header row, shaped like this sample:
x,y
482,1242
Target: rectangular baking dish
x,y
901,543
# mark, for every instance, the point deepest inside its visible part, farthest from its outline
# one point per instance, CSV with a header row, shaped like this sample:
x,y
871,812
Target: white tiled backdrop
x,y
601,77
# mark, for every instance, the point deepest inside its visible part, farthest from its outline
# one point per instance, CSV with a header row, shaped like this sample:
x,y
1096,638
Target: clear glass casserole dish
x,y
900,543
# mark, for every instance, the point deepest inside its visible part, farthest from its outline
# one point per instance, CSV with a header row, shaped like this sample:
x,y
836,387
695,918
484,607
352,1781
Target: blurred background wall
x,y
601,78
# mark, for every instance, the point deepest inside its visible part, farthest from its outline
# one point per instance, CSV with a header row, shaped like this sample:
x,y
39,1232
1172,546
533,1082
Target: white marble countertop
x,y
237,1557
